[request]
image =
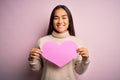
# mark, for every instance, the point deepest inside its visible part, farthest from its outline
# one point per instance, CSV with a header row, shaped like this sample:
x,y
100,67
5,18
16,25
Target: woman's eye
x,y
55,18
64,18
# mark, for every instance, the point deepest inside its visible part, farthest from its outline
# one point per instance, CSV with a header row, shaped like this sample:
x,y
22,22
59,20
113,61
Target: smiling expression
x,y
60,21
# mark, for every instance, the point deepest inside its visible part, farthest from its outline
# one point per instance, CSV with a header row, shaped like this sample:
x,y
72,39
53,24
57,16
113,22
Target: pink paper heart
x,y
59,54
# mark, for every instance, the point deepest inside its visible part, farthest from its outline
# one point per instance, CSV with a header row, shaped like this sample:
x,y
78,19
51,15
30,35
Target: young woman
x,y
60,29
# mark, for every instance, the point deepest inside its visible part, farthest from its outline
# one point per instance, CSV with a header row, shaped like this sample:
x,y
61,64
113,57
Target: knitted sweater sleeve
x,y
35,64
80,64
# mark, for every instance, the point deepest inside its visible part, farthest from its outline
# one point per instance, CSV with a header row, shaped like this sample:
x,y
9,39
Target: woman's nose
x,y
60,20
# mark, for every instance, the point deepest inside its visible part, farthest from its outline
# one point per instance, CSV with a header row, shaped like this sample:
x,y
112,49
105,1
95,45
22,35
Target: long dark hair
x,y
71,25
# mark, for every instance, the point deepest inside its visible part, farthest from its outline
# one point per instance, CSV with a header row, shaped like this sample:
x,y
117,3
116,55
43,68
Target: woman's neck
x,y
60,35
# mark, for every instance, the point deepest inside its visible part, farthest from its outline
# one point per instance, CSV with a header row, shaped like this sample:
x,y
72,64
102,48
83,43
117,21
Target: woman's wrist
x,y
30,59
85,58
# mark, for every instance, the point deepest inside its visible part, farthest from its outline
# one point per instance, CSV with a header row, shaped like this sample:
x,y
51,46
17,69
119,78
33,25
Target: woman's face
x,y
60,21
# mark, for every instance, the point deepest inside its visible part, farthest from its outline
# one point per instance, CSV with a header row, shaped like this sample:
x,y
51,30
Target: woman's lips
x,y
60,26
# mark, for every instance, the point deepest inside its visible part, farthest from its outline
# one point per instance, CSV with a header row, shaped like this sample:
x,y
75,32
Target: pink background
x,y
23,22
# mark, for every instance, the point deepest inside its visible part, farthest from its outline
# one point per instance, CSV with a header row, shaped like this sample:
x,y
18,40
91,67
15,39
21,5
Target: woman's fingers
x,y
34,56
34,53
36,50
83,52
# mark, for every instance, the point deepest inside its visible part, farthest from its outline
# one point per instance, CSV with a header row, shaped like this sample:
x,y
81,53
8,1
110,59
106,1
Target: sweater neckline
x,y
60,35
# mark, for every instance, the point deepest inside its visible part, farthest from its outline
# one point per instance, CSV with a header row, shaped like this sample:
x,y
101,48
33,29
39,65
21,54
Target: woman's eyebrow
x,y
58,16
64,15
55,16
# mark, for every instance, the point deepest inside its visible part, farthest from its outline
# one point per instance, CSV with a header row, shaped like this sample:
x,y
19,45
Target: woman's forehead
x,y
60,12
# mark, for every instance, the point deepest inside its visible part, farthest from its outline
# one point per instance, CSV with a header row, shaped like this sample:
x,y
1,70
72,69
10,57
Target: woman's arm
x,y
35,61
82,61
81,65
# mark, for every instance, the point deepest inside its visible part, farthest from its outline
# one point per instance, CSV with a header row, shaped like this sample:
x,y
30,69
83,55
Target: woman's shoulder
x,y
45,37
76,40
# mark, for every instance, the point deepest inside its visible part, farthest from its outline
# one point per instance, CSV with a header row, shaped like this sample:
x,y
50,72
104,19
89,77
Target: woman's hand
x,y
34,53
83,52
